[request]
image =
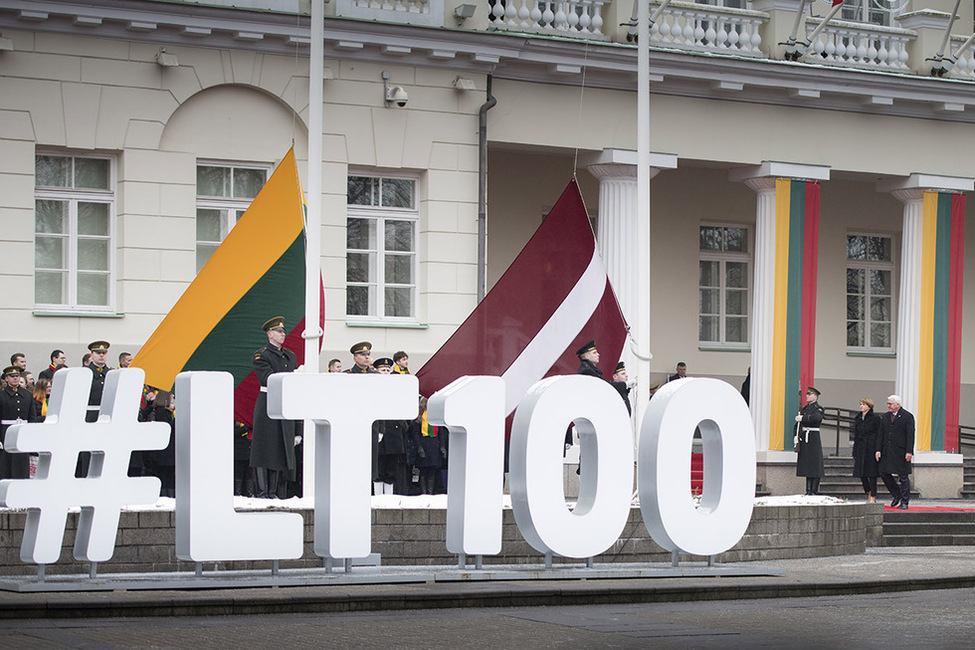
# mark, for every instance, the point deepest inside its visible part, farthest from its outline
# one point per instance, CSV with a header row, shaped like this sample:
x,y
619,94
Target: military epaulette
x,y
257,355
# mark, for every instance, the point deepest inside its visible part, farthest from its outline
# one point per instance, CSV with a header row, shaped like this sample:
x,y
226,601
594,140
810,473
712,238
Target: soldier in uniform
x,y
390,473
621,384
362,357
273,444
16,405
808,443
98,352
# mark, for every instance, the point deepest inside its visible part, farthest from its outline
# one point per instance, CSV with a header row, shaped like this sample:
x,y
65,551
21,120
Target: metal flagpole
x,y
643,209
313,220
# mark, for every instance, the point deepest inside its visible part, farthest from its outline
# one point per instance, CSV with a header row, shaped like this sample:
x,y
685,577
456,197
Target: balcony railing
x,y
573,18
408,12
860,45
690,26
964,67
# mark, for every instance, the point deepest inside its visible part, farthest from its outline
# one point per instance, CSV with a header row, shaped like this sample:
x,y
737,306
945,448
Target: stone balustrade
x,y
706,28
859,45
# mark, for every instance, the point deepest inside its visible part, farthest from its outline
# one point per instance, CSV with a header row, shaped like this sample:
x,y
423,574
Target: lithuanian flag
x,y
256,273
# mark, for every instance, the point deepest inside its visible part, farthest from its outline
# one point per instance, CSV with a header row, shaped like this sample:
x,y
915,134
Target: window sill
x,y
386,324
876,355
722,348
79,314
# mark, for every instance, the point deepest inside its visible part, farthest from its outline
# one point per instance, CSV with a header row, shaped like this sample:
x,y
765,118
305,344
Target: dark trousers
x,y
812,485
869,485
902,491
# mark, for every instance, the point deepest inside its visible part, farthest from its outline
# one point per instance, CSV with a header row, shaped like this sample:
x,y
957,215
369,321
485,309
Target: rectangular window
x,y
381,233
724,286
869,293
864,11
224,191
74,209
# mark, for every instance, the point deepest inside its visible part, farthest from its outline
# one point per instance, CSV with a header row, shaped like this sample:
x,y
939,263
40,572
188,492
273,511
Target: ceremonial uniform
x,y
17,405
356,370
809,446
94,399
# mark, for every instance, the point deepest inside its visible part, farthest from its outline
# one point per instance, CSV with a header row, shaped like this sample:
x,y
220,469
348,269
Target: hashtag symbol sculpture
x,y
58,441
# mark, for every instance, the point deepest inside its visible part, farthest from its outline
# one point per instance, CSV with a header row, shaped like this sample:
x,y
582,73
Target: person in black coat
x,y
161,463
390,473
273,443
621,384
430,444
808,443
895,449
866,430
16,405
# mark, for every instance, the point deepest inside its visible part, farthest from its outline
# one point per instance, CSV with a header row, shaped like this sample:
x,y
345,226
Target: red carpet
x,y
930,509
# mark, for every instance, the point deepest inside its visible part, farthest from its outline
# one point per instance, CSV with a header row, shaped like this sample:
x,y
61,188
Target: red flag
x,y
553,298
837,2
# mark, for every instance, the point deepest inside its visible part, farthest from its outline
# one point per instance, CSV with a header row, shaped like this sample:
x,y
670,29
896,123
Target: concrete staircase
x,y
968,487
942,528
840,483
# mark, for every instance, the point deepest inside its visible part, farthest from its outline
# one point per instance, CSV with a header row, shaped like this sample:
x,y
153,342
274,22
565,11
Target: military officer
x,y
16,405
273,443
97,355
621,382
808,443
390,474
362,357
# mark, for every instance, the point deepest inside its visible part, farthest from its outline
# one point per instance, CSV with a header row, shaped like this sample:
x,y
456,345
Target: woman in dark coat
x,y
866,428
161,463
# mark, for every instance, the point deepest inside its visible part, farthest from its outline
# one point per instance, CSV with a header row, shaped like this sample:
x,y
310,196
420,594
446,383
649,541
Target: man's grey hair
x,y
895,398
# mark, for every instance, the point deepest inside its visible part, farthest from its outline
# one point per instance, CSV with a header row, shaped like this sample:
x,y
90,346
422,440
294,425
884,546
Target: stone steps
x,y
933,528
968,487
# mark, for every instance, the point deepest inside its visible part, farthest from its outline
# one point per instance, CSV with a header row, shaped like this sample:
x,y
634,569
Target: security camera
x,y
396,95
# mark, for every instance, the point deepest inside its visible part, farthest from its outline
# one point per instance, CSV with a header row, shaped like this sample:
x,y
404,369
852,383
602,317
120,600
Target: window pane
x,y
709,301
360,191
856,247
880,283
93,254
92,289
212,181
399,302
91,173
357,301
50,216
736,275
878,249
49,253
854,281
208,224
49,288
248,182
854,334
708,328
360,234
735,303
399,269
880,335
52,171
854,308
358,267
709,274
203,253
880,309
399,236
710,238
736,330
93,219
736,240
397,193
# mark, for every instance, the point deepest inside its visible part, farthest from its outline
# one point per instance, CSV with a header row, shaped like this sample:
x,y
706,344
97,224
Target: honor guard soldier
x,y
362,357
621,382
273,444
809,444
17,405
97,354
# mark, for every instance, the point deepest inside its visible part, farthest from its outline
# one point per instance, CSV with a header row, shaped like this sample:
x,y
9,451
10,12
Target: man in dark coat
x,y
895,449
273,444
57,359
97,355
391,474
16,405
809,444
621,384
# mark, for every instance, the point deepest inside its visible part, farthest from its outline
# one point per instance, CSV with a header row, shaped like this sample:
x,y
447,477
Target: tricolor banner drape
x,y
794,313
942,274
255,274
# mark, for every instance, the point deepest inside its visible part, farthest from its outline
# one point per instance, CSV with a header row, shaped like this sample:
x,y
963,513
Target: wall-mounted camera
x,y
393,95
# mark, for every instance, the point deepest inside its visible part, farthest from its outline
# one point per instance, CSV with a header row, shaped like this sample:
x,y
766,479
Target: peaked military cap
x,y
588,347
276,323
98,346
620,366
813,390
360,347
11,370
382,362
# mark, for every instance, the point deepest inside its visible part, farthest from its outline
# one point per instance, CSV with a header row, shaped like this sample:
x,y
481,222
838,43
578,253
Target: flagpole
x,y
643,210
313,218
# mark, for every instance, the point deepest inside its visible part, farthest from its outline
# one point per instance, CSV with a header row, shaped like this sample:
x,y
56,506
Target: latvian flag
x,y
553,298
258,272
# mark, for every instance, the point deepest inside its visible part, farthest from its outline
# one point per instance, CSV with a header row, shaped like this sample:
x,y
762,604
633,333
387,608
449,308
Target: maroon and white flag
x,y
553,298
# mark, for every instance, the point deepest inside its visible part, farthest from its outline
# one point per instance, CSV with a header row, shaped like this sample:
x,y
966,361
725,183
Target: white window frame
x,y
864,11
867,266
380,214
723,257
231,206
73,197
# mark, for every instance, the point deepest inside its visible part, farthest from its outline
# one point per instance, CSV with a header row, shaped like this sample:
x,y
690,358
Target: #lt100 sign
x,y
342,409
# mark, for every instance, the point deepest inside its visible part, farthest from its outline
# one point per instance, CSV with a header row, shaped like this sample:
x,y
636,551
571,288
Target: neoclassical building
x,y
807,210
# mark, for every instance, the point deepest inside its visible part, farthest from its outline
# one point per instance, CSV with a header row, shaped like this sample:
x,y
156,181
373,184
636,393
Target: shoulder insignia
x,y
257,355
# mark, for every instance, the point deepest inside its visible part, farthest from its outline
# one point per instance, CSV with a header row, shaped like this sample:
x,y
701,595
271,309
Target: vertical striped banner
x,y
794,317
939,370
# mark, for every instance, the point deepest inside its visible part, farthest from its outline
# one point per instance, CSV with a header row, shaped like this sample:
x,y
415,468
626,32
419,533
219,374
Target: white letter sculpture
x,y
58,441
665,466
473,410
606,478
343,407
207,526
